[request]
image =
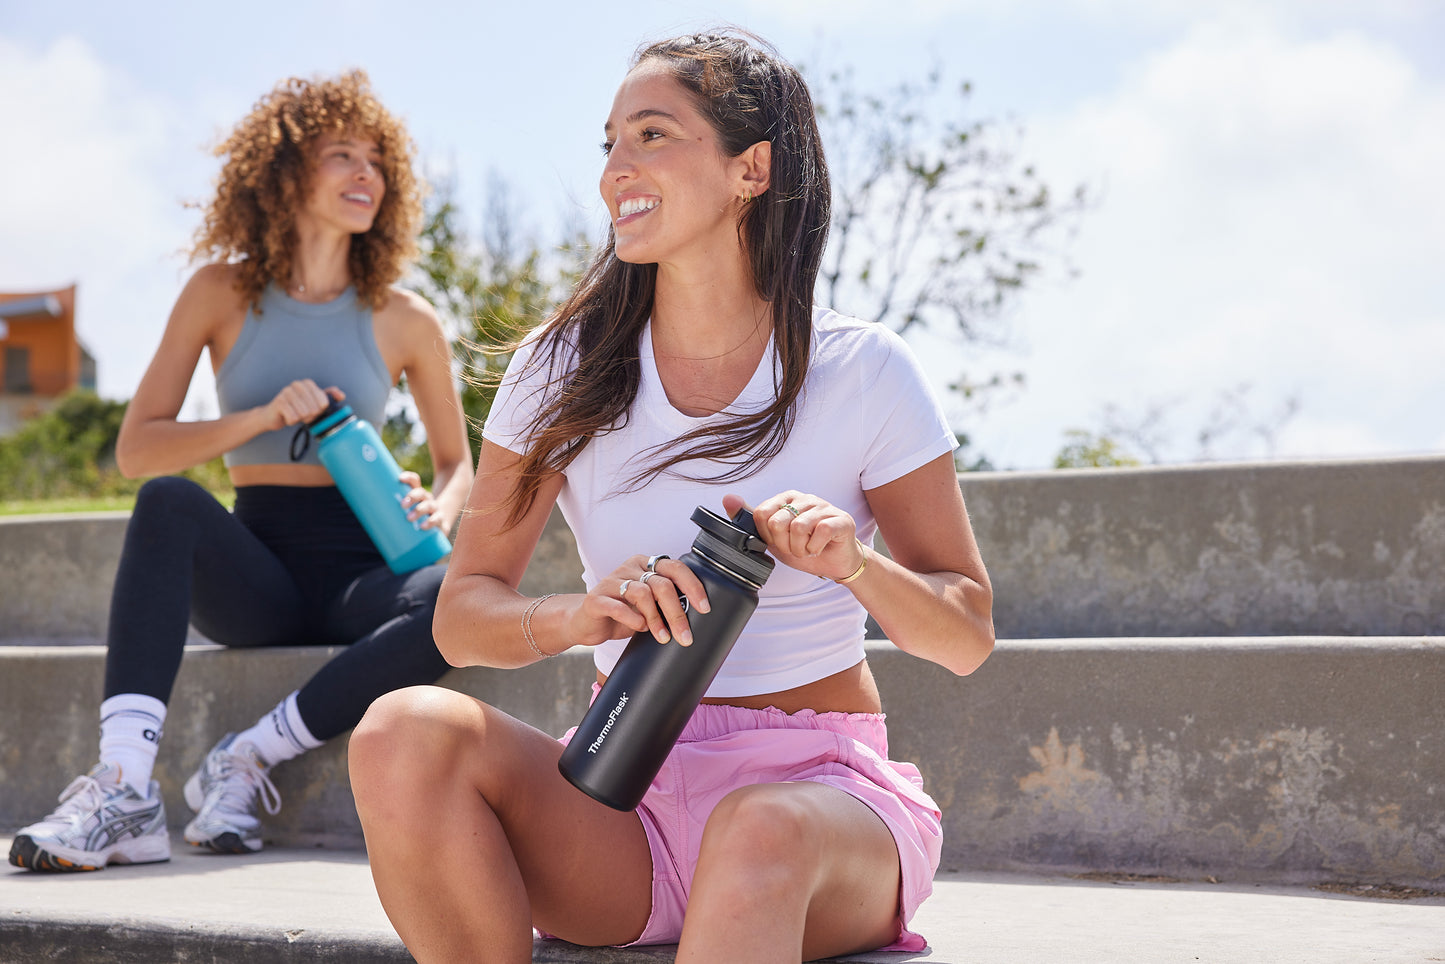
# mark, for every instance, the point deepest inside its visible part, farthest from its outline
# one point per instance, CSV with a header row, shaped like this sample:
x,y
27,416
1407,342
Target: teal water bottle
x,y
369,479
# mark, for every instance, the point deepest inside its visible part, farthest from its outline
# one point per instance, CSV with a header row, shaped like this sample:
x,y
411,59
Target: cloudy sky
x,y
1263,248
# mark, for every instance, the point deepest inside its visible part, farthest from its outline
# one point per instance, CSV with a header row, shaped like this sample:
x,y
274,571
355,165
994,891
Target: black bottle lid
x,y
330,418
733,545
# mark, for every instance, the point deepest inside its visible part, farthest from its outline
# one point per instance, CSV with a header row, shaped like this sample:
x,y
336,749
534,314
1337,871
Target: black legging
x,y
292,566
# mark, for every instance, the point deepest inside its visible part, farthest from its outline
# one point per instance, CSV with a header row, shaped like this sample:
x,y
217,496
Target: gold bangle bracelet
x,y
861,566
527,625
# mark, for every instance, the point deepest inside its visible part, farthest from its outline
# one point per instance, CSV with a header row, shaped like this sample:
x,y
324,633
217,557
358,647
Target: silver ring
x,y
652,562
647,575
792,508
622,589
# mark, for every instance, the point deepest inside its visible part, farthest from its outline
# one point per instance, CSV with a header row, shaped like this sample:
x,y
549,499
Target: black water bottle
x,y
642,708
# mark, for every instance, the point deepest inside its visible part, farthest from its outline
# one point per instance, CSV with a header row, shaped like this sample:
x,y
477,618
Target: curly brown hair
x,y
267,171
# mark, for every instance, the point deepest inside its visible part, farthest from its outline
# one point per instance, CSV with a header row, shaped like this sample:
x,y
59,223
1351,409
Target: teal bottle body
x,y
652,692
369,479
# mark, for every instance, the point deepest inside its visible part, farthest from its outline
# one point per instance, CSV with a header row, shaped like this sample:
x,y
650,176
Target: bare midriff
x,y
312,476
851,691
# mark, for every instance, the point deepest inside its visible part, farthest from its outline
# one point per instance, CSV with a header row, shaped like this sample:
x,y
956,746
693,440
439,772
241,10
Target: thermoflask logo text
x,y
607,727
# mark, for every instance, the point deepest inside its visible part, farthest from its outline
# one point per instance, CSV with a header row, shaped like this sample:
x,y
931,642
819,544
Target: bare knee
x,y
764,839
393,721
407,740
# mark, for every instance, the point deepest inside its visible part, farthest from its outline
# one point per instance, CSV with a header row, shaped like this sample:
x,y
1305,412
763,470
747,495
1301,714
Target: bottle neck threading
x,y
325,431
712,559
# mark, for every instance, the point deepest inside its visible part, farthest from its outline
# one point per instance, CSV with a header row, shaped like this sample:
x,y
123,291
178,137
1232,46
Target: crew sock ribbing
x,y
279,735
131,725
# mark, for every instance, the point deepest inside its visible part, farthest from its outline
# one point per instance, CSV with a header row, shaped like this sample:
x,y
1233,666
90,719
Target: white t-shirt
x,y
866,416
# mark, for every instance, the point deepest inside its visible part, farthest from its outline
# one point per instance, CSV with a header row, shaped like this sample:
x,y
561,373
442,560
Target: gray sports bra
x,y
331,344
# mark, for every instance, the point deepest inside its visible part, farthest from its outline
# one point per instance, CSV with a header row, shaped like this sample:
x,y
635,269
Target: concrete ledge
x,y
58,573
1341,548
87,941
59,570
1247,759
220,690
1297,736
299,906
1282,760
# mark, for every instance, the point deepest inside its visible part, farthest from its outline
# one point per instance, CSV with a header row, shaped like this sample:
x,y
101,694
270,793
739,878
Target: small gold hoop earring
x,y
748,196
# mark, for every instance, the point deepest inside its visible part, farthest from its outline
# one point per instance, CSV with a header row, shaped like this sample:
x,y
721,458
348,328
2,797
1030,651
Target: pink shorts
x,y
727,747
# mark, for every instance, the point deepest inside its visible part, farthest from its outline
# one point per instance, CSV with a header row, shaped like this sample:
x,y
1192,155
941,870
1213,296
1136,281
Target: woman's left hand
x,y
420,502
806,532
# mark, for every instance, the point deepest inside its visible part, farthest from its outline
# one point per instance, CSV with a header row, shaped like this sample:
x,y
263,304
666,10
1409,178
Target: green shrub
x,y
69,452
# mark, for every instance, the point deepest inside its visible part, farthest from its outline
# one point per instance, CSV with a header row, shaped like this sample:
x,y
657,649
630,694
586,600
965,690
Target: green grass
x,y
97,503
81,504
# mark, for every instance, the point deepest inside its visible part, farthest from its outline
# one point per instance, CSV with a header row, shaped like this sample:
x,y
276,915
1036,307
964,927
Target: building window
x,y
87,369
17,371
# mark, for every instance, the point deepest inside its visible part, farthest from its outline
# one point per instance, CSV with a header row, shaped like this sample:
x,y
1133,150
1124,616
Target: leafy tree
x,y
69,452
937,222
489,292
1085,450
1235,423
1233,428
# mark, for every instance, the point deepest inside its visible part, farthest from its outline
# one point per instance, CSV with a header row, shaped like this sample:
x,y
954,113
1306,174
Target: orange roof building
x,y
41,358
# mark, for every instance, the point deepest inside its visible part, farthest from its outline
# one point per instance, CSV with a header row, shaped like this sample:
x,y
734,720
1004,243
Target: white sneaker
x,y
223,793
100,820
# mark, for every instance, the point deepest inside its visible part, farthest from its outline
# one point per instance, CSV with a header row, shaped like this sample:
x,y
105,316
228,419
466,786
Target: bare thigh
x,y
441,756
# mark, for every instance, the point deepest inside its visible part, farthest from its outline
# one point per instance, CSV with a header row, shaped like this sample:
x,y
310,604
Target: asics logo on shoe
x,y
121,825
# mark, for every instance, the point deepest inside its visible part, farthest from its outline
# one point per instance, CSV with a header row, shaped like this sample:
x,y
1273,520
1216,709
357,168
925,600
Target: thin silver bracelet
x,y
527,625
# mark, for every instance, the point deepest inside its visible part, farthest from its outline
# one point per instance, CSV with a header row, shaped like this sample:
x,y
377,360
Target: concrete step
x,y
289,905
1332,548
1275,760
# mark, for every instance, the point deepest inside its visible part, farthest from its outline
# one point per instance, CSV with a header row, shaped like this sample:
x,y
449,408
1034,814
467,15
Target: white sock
x,y
279,735
130,736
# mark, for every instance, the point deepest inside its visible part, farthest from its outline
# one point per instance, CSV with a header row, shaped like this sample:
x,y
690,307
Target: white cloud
x,y
91,184
1272,214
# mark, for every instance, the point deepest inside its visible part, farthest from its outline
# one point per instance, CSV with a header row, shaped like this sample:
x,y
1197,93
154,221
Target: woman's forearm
x,y
450,485
945,618
479,622
162,446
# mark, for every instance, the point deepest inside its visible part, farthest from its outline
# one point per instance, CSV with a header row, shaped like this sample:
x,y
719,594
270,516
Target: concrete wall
x,y
1281,760
59,569
1348,548
1229,671
1336,548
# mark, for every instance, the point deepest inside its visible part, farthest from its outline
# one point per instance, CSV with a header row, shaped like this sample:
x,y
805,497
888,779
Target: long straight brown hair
x,y
748,94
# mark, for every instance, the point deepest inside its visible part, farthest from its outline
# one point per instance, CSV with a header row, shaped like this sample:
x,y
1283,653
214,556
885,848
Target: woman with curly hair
x,y
313,221
691,367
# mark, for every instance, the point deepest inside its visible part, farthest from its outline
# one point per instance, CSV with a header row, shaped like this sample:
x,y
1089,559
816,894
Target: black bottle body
x,y
622,741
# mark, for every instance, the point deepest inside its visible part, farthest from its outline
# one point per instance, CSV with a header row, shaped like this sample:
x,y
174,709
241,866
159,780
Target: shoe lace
x,y
240,778
81,798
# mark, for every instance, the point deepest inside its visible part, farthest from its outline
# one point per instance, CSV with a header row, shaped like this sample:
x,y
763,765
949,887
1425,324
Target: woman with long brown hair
x,y
690,367
313,221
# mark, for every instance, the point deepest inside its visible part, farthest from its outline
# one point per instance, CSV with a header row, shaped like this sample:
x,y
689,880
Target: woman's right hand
x,y
300,401
633,598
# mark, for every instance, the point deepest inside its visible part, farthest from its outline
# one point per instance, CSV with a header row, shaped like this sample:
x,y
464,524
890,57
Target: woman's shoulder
x,y
218,282
212,299
408,305
408,311
841,338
